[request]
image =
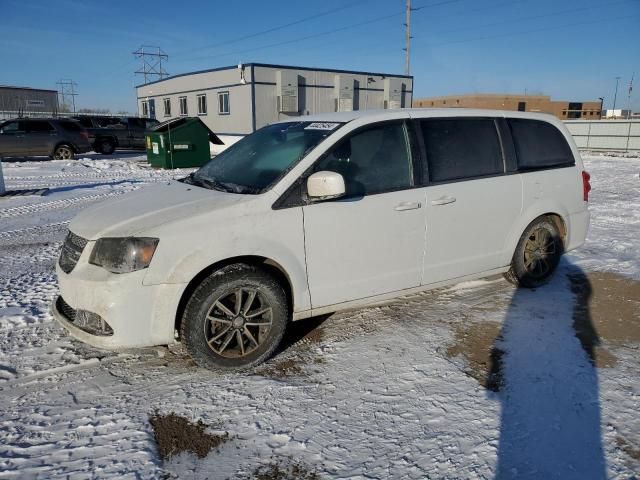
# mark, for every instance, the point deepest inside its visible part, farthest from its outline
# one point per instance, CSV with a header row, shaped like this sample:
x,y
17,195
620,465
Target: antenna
x,y
67,90
152,58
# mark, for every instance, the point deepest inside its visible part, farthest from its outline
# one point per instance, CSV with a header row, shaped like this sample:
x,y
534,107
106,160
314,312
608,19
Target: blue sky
x,y
569,49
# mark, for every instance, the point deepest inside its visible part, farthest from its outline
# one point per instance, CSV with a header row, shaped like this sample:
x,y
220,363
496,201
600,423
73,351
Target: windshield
x,y
254,163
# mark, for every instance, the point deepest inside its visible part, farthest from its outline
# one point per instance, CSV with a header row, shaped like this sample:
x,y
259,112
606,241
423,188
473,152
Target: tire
x,y
213,324
537,254
106,147
63,152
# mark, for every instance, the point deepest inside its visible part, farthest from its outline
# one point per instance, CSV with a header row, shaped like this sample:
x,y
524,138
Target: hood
x,y
149,207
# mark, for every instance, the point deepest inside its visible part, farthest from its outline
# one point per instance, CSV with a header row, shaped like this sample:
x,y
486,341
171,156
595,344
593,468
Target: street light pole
x,y
615,96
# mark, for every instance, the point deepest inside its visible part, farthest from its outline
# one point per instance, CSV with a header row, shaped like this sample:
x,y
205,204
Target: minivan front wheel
x,y
537,254
235,318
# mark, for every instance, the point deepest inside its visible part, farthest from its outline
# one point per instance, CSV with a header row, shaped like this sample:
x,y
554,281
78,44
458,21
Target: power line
x,y
407,40
274,29
319,34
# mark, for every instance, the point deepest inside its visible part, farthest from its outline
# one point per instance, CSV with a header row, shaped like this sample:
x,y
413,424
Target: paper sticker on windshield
x,y
322,126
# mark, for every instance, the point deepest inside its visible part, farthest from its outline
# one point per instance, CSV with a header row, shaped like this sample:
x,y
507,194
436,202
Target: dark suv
x,y
108,133
54,137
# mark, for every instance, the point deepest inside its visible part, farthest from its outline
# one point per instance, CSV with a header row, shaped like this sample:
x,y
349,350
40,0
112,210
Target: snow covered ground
x,y
479,380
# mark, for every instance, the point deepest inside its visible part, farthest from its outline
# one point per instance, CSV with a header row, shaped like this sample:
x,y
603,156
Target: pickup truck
x,y
108,133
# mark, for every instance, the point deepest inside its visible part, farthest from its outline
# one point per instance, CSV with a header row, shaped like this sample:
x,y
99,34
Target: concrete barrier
x,y
606,135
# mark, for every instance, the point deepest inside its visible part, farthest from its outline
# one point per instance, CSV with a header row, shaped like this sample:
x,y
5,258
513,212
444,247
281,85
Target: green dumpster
x,y
180,143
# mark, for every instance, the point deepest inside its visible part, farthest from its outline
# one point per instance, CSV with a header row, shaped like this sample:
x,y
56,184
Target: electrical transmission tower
x,y
152,58
67,90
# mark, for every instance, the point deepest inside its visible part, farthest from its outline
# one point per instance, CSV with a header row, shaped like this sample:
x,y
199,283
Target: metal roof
x,y
14,87
288,67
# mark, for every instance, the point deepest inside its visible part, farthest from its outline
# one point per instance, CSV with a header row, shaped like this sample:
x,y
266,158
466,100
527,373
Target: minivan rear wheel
x,y
537,254
235,318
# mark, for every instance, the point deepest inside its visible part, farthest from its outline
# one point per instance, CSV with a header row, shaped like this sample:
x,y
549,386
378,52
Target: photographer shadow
x,y
543,368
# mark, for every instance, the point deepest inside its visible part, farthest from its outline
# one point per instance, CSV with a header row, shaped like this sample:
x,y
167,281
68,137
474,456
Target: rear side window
x,y
371,161
539,144
38,126
85,121
460,148
72,126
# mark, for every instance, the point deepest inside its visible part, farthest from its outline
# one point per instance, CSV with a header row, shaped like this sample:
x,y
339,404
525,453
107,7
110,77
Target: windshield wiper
x,y
213,184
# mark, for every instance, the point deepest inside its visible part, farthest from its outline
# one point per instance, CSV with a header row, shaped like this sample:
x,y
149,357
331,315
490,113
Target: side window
x,y
202,104
167,107
145,108
371,161
459,148
539,144
10,127
223,103
182,102
38,126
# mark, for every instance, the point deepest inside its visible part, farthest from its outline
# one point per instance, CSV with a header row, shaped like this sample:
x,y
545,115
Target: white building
x,y
237,100
617,113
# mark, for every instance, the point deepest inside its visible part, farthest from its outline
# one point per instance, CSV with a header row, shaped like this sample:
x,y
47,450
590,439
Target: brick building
x,y
590,110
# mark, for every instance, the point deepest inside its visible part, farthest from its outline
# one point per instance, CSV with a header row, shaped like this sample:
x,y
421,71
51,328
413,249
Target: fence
x,y
606,135
8,114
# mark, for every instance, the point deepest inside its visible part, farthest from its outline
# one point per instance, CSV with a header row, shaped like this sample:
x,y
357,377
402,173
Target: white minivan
x,y
319,214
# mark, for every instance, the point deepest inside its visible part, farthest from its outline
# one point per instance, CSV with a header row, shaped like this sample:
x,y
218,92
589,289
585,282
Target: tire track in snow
x,y
55,204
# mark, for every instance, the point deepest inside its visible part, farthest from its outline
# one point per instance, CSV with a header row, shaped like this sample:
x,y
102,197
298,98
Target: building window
x,y
202,104
145,108
522,106
223,103
167,107
182,101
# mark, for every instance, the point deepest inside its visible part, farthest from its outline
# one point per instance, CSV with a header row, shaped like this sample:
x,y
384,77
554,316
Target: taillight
x,y
586,186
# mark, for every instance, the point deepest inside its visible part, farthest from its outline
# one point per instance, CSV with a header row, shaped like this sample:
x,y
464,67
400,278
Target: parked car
x,y
54,137
109,133
321,214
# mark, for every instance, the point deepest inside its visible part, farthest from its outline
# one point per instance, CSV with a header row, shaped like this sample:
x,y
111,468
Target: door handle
x,y
443,200
401,207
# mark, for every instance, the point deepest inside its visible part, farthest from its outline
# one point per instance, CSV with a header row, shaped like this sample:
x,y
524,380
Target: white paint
x,y
325,185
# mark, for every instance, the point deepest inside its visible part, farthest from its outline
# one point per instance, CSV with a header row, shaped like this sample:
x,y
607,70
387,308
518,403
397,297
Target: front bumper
x,y
139,315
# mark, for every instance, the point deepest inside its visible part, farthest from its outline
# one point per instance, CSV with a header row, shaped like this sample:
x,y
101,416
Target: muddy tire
x,y
106,146
235,318
537,254
63,152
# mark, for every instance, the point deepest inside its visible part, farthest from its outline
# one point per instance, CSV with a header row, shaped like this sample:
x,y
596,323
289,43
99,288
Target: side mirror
x,y
325,185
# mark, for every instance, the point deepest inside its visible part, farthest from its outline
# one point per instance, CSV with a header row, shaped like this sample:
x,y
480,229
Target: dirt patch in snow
x,y
175,434
284,471
606,313
475,343
628,448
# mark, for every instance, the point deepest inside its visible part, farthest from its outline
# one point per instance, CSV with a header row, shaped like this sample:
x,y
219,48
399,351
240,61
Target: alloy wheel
x,y
238,322
539,252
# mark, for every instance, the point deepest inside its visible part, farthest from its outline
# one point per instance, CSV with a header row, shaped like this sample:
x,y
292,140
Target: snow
x,y
373,393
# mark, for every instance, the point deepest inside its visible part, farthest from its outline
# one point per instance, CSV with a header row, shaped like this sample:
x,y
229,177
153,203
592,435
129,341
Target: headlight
x,y
122,255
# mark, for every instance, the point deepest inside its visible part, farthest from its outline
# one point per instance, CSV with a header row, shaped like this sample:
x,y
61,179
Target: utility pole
x,y
615,96
152,58
67,90
629,95
407,39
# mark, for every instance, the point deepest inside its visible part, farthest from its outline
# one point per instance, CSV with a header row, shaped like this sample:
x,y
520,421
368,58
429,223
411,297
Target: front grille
x,y
83,319
71,250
